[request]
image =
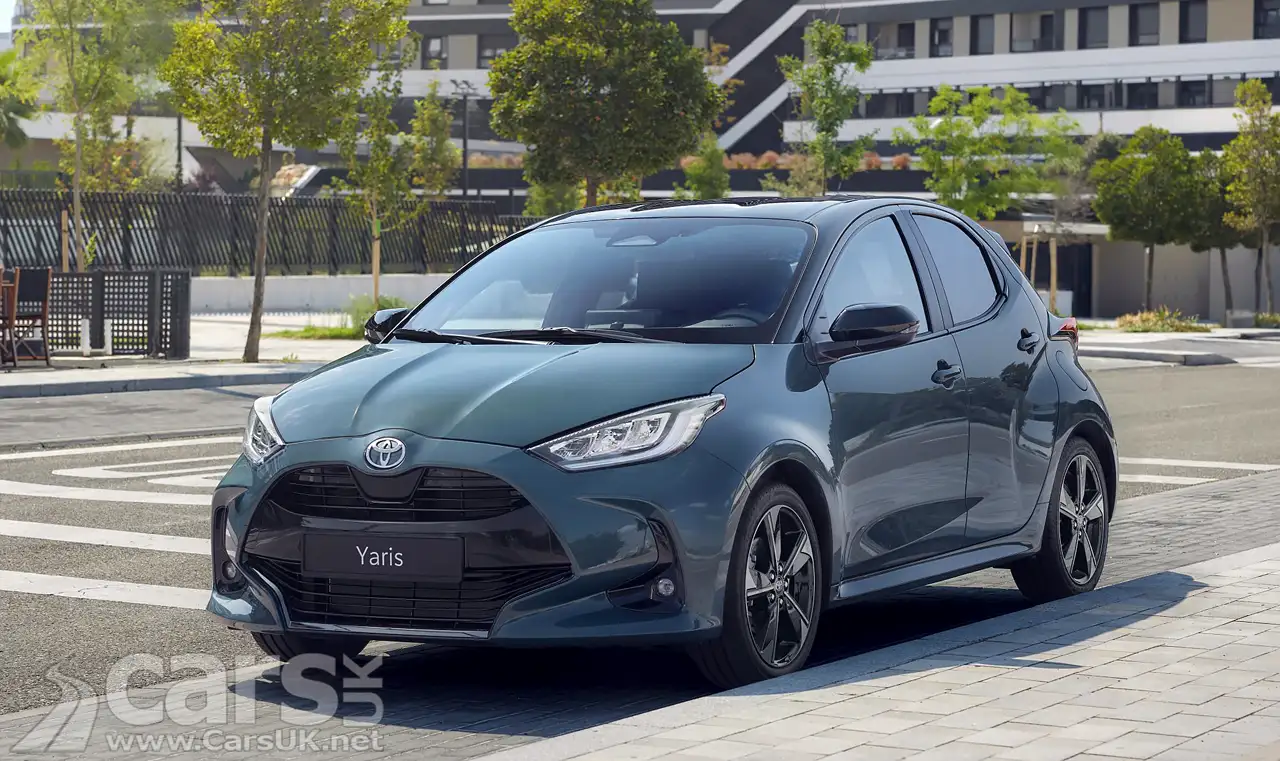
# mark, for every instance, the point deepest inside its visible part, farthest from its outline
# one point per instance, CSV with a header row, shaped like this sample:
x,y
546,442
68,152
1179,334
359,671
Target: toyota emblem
x,y
385,453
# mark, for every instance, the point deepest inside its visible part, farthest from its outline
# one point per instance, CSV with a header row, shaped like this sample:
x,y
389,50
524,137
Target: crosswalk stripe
x,y
1197,464
1138,478
104,537
21,489
120,447
114,471
103,590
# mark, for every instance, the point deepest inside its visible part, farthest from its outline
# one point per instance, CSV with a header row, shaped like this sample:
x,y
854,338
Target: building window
x,y
494,45
1266,22
1193,21
1144,24
1092,97
941,35
1093,28
893,41
891,105
435,53
982,35
851,33
1193,94
1141,96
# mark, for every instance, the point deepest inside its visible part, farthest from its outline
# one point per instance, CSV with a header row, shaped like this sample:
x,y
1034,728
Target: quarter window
x,y
873,268
963,267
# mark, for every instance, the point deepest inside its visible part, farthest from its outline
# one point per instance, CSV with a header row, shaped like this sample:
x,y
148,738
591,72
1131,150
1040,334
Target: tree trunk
x,y
593,191
1151,276
1266,272
377,257
260,250
1228,302
1257,282
77,212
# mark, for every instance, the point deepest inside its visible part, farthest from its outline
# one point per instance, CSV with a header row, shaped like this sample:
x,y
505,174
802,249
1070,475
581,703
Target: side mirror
x,y
380,325
873,327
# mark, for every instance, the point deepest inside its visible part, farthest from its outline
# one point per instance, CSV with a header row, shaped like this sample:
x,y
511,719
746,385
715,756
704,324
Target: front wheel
x,y
1073,548
773,596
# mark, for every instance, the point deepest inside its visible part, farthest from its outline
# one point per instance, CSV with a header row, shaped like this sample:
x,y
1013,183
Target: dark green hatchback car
x,y
687,423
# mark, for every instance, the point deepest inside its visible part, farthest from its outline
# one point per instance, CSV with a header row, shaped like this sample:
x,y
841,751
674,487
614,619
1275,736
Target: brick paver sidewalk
x,y
1178,666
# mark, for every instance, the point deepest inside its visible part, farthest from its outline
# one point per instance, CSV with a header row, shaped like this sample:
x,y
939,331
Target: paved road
x,y
455,704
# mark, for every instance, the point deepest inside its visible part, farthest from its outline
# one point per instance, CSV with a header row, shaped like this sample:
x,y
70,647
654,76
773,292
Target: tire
x,y
1048,575
284,647
735,658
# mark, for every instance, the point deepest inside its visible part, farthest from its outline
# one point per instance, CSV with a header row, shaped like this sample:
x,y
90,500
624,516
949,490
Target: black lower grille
x,y
471,605
421,495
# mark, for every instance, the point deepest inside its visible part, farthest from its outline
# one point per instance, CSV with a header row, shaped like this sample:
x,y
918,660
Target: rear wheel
x,y
1073,549
284,647
773,596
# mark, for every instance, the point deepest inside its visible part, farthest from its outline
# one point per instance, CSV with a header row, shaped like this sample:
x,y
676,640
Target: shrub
x,y
689,161
871,161
768,160
902,161
1160,320
742,161
1266,320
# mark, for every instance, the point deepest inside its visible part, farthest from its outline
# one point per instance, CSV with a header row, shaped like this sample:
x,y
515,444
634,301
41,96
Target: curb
x,y
1188,358
121,438
178,383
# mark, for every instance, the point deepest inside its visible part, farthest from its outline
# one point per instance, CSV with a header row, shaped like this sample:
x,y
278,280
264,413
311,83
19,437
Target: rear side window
x,y
966,274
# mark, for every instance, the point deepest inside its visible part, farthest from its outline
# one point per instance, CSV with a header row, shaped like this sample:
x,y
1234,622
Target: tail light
x,y
1065,329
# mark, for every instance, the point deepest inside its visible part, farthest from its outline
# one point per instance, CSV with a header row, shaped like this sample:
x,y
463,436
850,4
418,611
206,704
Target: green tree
x,y
975,146
550,199
705,175
16,99
599,90
824,99
1208,228
391,175
92,76
1143,194
1253,164
252,74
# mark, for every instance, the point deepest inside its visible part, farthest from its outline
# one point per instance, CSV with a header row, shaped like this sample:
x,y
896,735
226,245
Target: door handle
x,y
1029,341
946,374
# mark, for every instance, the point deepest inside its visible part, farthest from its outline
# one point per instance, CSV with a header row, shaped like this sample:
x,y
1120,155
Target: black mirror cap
x,y
871,327
380,325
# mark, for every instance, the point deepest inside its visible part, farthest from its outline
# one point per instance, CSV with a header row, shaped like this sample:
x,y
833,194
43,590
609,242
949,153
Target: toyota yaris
x,y
687,423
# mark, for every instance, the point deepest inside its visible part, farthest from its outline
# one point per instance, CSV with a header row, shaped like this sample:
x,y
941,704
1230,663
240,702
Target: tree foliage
x,y
705,176
256,73
16,101
976,146
824,98
1144,193
599,90
1207,225
550,199
1252,161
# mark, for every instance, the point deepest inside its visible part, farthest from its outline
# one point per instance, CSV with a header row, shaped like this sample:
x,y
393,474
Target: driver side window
x,y
873,268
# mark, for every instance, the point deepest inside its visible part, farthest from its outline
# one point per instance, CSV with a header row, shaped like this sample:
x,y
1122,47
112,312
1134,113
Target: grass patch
x,y
322,333
1160,320
1266,320
360,309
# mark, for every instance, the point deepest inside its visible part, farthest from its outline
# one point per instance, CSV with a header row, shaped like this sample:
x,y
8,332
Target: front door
x,y
899,432
1012,395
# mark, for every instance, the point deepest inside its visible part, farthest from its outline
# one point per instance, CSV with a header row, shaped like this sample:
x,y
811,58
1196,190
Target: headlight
x,y
261,439
636,437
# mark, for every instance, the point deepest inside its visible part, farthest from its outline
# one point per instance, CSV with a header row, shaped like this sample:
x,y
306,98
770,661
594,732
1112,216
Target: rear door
x,y
899,435
1012,396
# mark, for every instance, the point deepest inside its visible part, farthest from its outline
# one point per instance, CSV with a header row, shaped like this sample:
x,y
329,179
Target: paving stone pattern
x,y
1178,666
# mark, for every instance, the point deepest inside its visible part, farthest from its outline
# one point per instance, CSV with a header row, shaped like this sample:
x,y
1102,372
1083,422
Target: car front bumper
x,y
577,562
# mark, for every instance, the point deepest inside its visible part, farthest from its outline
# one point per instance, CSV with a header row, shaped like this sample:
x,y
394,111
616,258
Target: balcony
x,y
895,54
1033,45
943,50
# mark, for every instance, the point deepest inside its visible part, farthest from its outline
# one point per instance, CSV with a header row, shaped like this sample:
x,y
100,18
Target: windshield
x,y
698,280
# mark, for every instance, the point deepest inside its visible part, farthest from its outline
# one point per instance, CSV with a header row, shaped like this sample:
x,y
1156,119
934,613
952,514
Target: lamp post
x,y
466,90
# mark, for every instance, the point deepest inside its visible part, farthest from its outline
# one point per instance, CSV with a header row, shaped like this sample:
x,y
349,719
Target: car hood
x,y
515,395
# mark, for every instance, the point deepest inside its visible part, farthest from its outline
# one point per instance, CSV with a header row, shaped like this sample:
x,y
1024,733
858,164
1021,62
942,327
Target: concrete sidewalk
x,y
1220,347
165,376
1178,666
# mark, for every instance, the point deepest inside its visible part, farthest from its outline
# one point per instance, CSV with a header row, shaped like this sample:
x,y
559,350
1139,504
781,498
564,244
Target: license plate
x,y
427,558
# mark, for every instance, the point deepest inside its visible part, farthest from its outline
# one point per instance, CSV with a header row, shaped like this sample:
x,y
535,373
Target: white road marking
x,y
207,480
104,537
1134,478
1198,464
107,591
21,489
121,447
114,471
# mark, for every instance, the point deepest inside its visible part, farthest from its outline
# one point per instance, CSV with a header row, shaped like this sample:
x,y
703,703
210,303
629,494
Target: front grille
x,y
471,605
428,495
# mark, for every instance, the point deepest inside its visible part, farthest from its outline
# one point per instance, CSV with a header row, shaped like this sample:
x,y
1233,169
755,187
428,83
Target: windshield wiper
x,y
589,334
436,337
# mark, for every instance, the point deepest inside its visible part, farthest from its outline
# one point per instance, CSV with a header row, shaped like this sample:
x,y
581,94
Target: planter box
x,y
1238,318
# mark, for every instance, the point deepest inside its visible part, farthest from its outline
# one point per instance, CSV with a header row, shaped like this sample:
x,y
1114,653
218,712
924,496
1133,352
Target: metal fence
x,y
140,313
214,234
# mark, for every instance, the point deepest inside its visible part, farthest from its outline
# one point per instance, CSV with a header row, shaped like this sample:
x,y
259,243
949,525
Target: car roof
x,y
756,207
